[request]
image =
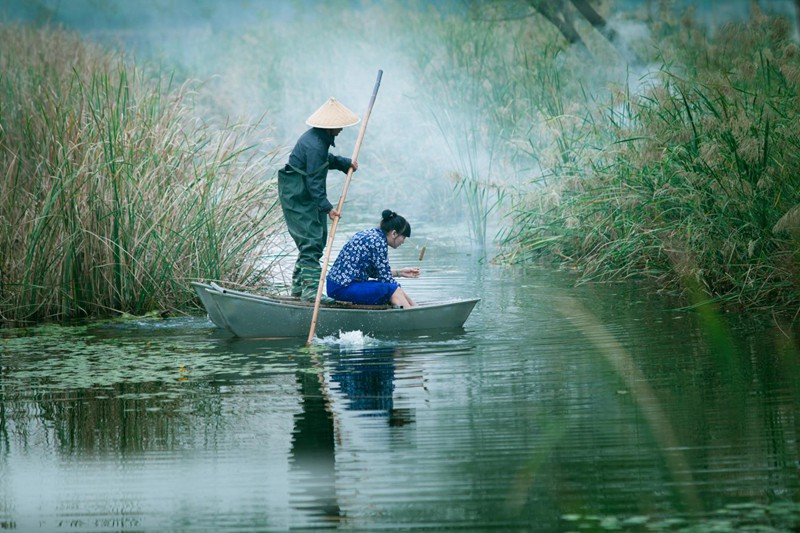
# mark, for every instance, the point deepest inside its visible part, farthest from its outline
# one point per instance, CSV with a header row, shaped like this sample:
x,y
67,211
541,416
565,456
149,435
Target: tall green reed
x,y
470,101
116,194
691,178
496,89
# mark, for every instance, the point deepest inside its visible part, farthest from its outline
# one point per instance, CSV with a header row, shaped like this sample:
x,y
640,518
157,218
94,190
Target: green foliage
x,y
505,99
114,196
696,178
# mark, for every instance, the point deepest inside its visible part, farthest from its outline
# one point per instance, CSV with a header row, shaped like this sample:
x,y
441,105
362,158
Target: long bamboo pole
x,y
339,207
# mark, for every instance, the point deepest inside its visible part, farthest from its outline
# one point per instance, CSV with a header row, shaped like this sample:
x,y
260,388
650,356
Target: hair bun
x,y
388,214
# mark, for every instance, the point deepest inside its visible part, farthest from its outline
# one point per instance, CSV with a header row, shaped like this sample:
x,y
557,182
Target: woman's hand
x,y
408,272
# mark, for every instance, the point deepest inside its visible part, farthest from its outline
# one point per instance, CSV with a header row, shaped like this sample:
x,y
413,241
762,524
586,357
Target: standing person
x,y
361,273
302,189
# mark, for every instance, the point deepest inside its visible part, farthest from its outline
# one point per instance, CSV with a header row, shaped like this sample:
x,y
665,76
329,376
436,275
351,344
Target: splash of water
x,y
349,340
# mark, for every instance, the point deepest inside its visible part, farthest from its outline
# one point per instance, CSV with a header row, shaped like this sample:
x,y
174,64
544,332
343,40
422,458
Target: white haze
x,y
278,61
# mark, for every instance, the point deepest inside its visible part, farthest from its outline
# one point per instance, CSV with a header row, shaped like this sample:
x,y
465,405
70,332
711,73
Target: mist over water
x,y
277,65
276,62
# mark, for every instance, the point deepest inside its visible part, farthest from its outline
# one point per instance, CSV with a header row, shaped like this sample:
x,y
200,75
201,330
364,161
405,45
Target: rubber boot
x,y
310,281
297,283
310,294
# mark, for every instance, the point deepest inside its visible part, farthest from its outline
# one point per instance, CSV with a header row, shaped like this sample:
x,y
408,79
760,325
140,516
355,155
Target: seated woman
x,y
361,273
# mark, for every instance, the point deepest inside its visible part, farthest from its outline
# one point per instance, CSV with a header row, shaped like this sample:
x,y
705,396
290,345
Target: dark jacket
x,y
311,159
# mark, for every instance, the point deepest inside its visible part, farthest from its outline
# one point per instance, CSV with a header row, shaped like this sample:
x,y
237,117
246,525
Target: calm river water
x,y
556,408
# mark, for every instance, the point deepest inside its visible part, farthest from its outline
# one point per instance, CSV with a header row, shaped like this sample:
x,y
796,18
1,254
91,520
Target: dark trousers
x,y
307,225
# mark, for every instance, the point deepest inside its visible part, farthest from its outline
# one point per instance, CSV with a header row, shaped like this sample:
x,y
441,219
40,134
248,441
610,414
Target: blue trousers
x,y
370,292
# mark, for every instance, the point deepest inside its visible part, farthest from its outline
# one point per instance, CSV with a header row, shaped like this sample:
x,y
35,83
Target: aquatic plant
x,y
695,178
482,198
497,90
115,194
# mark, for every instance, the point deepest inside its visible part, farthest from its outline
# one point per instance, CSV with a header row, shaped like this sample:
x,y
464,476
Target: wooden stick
x,y
339,207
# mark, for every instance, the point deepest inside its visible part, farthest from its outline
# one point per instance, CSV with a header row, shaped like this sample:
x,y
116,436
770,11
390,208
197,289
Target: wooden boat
x,y
258,316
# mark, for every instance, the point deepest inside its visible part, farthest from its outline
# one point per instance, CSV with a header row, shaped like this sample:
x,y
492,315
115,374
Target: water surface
x,y
555,408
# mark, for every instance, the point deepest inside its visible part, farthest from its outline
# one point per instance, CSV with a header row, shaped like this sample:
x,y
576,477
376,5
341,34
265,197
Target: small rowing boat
x,y
250,315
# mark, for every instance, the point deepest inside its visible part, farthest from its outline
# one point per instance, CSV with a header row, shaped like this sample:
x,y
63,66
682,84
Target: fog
x,y
275,62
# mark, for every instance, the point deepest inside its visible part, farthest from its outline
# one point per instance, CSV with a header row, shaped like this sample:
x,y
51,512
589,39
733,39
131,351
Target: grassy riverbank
x,y
676,161
694,181
114,194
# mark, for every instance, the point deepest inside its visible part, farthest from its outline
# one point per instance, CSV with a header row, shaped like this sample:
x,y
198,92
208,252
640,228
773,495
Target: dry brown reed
x,y
114,193
691,178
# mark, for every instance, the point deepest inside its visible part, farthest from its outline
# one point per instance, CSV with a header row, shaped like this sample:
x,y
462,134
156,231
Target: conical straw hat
x,y
332,115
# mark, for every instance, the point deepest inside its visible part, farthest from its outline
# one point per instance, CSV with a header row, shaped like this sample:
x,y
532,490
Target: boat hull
x,y
256,316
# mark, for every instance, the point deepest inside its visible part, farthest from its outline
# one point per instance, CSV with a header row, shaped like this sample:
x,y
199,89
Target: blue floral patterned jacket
x,y
365,256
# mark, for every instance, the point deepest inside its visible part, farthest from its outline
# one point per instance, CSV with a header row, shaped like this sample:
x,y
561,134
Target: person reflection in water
x,y
361,273
368,385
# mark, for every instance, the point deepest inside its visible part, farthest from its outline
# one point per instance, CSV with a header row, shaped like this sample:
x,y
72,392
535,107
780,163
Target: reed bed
x,y
693,181
685,172
503,96
114,193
